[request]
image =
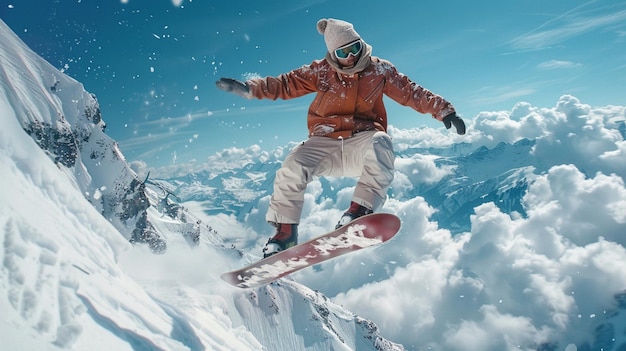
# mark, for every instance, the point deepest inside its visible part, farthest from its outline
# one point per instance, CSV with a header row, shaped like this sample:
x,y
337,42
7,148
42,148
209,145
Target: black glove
x,y
451,119
234,86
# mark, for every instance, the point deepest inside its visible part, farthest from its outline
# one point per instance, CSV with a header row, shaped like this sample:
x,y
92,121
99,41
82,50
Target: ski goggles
x,y
351,49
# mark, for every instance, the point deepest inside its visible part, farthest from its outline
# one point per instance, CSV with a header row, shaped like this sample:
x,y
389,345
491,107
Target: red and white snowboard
x,y
369,230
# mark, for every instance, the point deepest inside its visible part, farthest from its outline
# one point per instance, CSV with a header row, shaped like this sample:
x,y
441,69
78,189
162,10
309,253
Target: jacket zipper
x,y
374,91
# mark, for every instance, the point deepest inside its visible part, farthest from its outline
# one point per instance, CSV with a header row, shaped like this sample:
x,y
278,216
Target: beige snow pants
x,y
367,155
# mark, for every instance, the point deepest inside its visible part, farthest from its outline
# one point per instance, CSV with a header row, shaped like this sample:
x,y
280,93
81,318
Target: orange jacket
x,y
346,104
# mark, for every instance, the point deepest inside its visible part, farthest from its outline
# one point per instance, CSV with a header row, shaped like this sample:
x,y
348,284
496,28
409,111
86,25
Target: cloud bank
x,y
515,282
512,281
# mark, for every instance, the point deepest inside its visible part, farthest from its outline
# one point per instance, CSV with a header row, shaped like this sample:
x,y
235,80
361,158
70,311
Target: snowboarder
x,y
347,124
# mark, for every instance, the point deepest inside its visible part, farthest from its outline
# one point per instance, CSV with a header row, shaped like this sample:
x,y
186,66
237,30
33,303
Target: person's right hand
x,y
453,119
234,86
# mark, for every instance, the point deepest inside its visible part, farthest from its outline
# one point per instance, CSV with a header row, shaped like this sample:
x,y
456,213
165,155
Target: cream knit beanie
x,y
337,33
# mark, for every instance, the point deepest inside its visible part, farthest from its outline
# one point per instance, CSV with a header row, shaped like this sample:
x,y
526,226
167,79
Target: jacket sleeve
x,y
296,83
408,93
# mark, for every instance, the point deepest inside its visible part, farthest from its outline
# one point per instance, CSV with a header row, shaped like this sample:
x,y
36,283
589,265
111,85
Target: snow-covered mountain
x,y
70,278
513,236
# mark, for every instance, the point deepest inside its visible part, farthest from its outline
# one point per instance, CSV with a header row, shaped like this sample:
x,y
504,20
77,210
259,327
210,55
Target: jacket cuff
x,y
444,112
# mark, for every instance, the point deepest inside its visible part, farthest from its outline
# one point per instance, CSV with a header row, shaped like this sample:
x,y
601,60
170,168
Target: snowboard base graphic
x,y
366,231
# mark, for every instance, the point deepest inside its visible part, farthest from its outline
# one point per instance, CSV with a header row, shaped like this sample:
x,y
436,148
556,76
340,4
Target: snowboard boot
x,y
355,211
286,236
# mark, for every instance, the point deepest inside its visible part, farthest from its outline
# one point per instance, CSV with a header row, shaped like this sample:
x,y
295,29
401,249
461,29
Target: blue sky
x,y
153,64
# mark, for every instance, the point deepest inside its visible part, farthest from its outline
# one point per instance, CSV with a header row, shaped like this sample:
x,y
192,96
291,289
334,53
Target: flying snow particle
x,y
97,195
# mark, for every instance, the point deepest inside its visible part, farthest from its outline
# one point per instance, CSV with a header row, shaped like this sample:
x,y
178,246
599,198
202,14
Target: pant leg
x,y
317,156
367,155
377,172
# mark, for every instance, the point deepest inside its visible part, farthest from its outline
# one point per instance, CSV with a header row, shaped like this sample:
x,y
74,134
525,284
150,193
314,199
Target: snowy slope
x,y
69,277
512,238
65,121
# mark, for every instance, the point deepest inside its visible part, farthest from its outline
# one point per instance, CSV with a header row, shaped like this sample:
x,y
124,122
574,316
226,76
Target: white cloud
x,y
139,167
510,332
571,132
584,206
571,24
520,281
615,161
556,64
493,95
579,137
230,158
415,170
420,137
511,282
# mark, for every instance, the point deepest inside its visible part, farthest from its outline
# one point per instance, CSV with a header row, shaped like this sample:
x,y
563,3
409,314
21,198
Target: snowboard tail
x,y
366,231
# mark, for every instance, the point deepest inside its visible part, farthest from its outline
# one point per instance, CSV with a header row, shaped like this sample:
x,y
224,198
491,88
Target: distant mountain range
x,y
499,174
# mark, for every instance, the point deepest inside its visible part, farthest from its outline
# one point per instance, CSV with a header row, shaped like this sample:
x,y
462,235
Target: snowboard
x,y
365,231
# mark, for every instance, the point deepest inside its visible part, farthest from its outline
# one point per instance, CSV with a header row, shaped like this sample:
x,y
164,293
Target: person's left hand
x,y
451,119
